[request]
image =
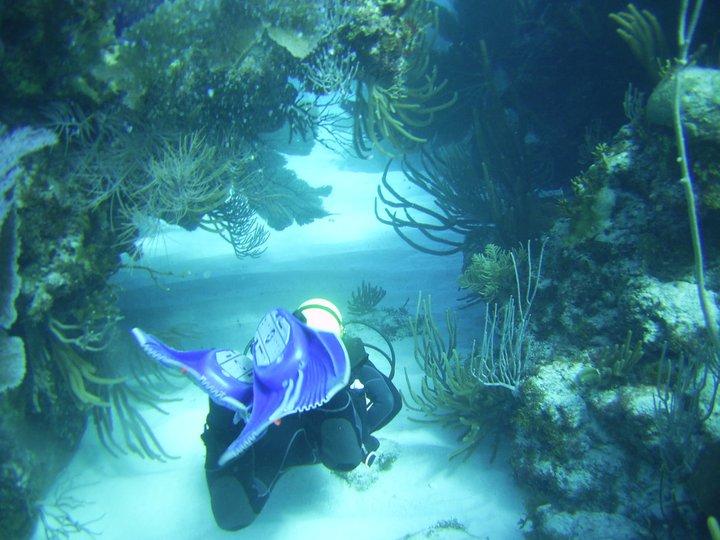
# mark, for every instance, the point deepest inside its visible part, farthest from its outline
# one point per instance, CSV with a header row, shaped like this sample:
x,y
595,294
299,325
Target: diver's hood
x,y
296,368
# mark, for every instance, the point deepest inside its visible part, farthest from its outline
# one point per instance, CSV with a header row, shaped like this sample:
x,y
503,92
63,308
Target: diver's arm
x,y
384,398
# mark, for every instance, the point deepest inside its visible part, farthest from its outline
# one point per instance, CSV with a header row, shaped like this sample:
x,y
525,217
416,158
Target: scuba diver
x,y
306,394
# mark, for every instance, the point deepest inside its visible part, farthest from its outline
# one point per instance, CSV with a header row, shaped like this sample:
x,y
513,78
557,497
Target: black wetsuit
x,y
337,434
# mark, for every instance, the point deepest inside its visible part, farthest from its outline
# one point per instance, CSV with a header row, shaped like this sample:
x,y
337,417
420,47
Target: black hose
x,y
390,358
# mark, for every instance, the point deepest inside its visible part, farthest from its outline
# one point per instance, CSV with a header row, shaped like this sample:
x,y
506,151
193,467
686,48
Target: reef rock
x,y
553,525
666,311
560,449
700,103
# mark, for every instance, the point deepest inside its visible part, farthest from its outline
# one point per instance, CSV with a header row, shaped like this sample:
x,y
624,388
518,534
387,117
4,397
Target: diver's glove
x,y
371,444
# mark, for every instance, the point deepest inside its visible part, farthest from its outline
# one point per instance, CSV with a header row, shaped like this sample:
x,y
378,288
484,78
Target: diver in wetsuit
x,y
337,433
306,395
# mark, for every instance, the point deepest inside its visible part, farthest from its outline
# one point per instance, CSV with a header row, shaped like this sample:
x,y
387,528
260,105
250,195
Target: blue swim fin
x,y
297,369
226,376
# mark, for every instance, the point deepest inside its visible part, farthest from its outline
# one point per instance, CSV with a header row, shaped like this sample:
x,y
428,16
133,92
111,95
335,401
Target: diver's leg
x,y
231,505
340,448
240,489
283,446
338,431
234,501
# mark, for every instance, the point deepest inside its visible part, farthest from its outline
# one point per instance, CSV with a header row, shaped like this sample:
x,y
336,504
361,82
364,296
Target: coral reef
x,y
197,83
630,408
42,60
13,147
187,181
700,103
12,362
619,415
591,525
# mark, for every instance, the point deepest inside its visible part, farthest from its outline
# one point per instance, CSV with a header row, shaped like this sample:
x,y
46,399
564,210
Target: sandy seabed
x,y
215,300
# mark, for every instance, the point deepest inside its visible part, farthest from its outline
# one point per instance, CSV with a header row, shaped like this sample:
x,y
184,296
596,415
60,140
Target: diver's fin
x,y
225,375
296,369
